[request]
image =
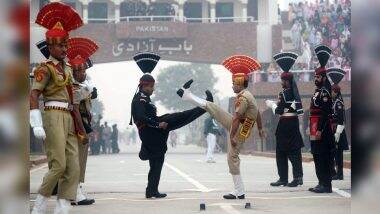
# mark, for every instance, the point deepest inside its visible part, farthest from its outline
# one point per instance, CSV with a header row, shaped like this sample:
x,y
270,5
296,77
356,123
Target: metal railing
x,y
300,75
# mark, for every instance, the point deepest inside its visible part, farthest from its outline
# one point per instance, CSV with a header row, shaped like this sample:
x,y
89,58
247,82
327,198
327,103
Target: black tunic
x,y
288,136
154,139
338,117
321,106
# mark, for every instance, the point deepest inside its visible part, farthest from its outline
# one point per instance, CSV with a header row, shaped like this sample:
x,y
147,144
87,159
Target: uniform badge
x,y
39,75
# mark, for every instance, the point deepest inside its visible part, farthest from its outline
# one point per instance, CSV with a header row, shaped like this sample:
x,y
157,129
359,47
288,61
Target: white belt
x,y
57,104
288,114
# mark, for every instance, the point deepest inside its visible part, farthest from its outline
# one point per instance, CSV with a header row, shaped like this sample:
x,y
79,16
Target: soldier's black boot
x,y
185,86
338,177
296,182
279,183
231,196
154,194
323,189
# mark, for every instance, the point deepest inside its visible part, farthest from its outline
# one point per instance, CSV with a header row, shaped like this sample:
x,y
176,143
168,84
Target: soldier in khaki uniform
x,y
79,52
59,126
239,124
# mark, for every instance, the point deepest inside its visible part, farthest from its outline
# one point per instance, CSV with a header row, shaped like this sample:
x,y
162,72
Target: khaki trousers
x,y
225,119
83,153
61,146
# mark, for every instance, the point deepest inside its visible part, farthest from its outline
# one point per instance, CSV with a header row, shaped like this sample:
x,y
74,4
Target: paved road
x,y
117,182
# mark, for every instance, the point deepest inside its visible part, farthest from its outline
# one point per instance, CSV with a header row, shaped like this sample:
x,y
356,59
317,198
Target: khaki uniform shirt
x,y
51,79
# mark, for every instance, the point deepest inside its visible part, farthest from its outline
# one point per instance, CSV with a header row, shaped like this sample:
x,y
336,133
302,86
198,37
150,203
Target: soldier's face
x,y
80,75
237,88
318,80
149,88
285,83
58,51
333,94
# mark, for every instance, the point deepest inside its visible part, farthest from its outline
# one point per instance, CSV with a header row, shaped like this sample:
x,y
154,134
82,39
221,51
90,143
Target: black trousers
x,y
322,162
179,119
295,158
338,162
154,174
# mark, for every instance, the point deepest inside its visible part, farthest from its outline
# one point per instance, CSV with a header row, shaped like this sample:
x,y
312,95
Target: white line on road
x,y
342,193
200,186
38,168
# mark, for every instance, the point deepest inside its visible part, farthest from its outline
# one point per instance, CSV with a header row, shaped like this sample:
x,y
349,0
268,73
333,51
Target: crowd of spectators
x,y
326,23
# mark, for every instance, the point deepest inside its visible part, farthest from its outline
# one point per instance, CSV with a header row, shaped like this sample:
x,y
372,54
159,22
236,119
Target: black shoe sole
x,y
209,96
180,92
83,203
185,86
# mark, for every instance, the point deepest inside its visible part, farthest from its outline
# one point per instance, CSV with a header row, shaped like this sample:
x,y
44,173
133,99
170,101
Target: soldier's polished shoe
x,y
279,183
231,196
83,202
155,195
185,86
337,177
209,96
296,182
311,189
322,189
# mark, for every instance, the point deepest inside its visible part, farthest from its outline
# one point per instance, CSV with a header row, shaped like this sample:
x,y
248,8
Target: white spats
x,y
239,186
187,95
80,195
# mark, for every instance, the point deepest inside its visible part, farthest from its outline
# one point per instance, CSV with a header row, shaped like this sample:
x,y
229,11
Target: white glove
x,y
271,104
88,85
36,124
339,130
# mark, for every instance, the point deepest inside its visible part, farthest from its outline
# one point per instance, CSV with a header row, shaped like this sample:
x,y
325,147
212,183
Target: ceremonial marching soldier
x,y
321,136
239,124
288,136
154,130
79,52
60,124
335,75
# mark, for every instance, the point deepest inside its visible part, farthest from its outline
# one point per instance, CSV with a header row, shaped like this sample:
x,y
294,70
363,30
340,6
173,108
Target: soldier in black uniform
x,y
288,137
154,130
335,75
321,136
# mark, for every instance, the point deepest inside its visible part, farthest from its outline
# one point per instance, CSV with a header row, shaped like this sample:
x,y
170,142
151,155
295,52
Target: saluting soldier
x,y
335,75
59,125
239,124
154,130
321,136
288,137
